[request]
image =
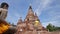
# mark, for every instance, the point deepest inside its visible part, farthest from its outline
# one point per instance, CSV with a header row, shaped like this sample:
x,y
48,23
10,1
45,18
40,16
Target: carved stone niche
x,y
31,27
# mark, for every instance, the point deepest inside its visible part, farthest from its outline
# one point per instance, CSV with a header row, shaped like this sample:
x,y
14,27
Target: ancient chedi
x,y
30,24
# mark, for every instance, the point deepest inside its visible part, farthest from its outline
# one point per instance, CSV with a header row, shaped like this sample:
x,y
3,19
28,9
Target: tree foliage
x,y
51,28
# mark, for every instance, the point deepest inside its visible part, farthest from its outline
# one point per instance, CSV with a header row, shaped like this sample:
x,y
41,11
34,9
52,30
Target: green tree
x,y
50,27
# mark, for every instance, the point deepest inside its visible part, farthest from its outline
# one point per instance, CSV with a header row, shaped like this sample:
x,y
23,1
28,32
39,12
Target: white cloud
x,y
55,23
52,12
42,4
54,17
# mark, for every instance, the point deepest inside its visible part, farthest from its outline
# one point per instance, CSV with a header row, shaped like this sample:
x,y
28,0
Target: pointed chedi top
x,y
30,11
36,15
20,20
30,7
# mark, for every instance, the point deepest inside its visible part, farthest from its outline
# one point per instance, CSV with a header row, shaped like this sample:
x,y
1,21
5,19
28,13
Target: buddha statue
x,y
5,28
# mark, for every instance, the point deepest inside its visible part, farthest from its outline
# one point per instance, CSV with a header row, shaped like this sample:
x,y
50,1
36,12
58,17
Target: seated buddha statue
x,y
4,26
3,14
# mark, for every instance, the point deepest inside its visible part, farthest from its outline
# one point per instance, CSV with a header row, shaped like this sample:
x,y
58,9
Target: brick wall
x,y
40,32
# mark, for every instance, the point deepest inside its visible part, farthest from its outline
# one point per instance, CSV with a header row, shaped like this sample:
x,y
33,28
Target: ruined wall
x,y
39,32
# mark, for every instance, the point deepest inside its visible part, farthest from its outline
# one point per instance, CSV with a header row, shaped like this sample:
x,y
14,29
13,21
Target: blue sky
x,y
48,11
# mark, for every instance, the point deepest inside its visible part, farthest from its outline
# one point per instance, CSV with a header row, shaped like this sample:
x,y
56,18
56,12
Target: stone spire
x,y
36,17
36,14
20,20
30,14
30,6
30,11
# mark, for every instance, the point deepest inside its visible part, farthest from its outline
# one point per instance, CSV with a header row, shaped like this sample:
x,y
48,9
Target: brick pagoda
x,y
30,25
